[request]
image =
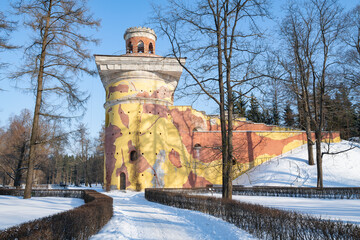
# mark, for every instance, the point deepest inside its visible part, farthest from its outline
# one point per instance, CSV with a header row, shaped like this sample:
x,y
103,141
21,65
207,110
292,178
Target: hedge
x,y
78,223
305,192
262,222
330,193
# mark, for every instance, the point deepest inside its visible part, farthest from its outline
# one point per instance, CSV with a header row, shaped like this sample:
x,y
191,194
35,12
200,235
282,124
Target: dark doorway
x,y
122,181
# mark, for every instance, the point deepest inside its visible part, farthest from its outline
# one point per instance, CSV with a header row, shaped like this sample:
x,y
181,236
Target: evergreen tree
x,y
289,117
254,114
275,115
266,117
240,105
357,122
341,114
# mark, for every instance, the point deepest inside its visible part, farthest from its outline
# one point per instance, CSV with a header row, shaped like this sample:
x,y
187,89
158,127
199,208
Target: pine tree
x,y
266,117
240,105
289,117
357,122
341,114
275,115
254,114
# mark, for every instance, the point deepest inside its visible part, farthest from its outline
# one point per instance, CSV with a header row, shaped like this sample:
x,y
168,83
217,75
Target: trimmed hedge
x,y
78,223
332,193
44,193
262,222
328,193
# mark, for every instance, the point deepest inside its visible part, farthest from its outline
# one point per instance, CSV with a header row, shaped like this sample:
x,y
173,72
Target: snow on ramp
x,y
136,218
291,169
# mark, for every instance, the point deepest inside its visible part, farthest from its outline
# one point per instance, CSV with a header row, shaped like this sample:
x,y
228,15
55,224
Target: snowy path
x,y
136,218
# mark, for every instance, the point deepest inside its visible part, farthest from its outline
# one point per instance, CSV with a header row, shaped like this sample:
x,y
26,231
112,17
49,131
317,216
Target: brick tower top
x,y
140,40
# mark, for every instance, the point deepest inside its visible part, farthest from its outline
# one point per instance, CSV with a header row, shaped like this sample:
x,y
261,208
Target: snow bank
x,y
16,210
291,169
347,210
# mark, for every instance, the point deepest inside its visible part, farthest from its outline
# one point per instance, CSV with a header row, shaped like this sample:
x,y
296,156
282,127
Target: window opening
x,y
141,47
129,48
151,48
133,156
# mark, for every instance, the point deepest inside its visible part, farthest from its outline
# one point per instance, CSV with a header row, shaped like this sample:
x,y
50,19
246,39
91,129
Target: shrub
x,y
78,223
263,222
305,192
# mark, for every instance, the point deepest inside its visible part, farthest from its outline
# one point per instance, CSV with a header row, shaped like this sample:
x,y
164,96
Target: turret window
x,y
151,48
129,48
141,47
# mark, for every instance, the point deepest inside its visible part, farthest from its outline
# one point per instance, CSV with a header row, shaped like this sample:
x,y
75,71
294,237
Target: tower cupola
x,y
140,40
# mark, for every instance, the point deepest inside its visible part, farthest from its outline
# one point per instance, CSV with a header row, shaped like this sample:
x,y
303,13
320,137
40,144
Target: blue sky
x,y
116,16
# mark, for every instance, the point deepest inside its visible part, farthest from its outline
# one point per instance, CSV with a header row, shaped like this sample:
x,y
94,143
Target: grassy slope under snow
x,y
291,169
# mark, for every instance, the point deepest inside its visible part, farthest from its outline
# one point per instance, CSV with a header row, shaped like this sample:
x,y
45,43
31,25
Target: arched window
x,y
151,48
197,129
133,156
140,47
129,48
197,146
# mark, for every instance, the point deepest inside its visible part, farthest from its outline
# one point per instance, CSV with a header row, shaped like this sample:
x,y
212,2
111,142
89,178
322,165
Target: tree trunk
x,y
229,159
307,116
319,159
230,106
18,173
35,125
86,173
309,140
224,143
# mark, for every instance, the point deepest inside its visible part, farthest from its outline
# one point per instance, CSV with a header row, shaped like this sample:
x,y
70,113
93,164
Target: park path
x,y
136,218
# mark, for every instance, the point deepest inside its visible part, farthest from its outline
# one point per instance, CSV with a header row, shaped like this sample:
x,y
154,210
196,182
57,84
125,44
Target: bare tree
x,y
83,146
54,60
329,25
14,147
6,27
58,142
298,37
351,57
96,172
220,36
311,30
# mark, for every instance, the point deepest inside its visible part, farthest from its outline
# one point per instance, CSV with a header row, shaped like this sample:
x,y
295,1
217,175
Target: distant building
x,y
149,142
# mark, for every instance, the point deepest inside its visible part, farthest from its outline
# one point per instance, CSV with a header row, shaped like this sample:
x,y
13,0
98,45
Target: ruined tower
x,y
139,89
151,143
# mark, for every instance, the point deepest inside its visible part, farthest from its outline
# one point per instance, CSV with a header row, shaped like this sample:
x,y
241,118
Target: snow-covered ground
x,y
291,169
96,187
136,218
16,210
347,210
